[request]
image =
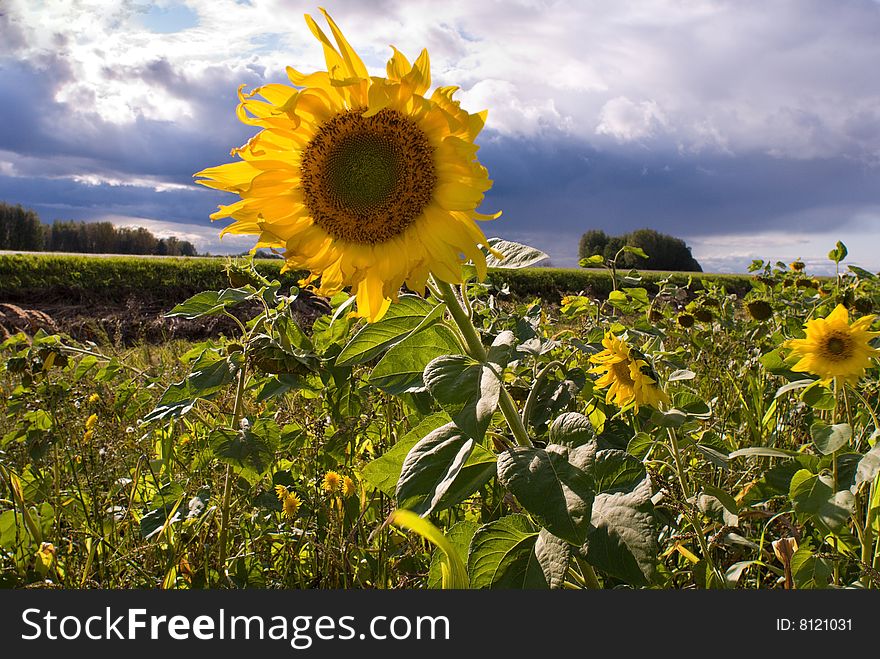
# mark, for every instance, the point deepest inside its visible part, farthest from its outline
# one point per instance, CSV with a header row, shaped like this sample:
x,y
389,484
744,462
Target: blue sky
x,y
750,129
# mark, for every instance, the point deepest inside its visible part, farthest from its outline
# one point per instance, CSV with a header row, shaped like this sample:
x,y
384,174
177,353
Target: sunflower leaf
x,y
516,255
557,493
407,314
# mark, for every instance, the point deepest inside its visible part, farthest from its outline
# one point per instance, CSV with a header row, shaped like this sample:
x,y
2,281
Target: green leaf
x,y
623,541
763,452
553,555
813,497
402,317
454,572
593,261
252,447
638,251
838,253
615,471
572,429
553,490
400,370
819,397
809,571
869,467
210,374
384,472
431,467
207,303
502,555
681,374
515,255
459,536
861,273
466,389
791,386
827,439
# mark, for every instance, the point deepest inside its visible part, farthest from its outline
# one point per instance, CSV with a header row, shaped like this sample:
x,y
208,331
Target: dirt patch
x,y
135,321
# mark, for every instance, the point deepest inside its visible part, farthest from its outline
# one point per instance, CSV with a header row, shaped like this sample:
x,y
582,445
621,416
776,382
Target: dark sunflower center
x,y
366,179
837,347
621,373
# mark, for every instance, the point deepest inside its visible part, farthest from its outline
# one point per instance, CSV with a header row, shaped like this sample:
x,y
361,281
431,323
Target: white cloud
x,y
205,238
627,121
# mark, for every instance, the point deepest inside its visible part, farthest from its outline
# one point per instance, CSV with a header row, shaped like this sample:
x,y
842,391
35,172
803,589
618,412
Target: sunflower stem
x,y
237,413
476,350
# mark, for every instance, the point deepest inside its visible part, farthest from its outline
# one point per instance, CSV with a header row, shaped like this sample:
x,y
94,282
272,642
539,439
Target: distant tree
x,y
20,228
664,252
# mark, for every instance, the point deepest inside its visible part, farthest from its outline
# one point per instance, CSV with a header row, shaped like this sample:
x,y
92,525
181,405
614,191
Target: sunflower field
x,y
423,427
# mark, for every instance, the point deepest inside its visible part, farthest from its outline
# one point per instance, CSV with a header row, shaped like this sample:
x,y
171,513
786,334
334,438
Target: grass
x,y
89,279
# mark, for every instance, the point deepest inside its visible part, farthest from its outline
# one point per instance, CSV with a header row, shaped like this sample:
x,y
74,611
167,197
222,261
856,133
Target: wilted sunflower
x,y
629,378
833,348
349,487
361,180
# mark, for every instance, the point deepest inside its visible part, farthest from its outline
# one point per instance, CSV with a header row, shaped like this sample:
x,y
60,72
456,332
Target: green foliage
x,y
645,249
296,455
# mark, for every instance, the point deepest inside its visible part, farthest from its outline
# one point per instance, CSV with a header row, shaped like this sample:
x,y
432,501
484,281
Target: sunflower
x,y
834,348
629,378
332,482
363,181
291,505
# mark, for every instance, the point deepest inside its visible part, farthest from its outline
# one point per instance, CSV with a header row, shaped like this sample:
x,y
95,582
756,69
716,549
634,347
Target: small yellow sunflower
x,y
629,378
281,492
331,483
834,348
797,265
361,180
291,505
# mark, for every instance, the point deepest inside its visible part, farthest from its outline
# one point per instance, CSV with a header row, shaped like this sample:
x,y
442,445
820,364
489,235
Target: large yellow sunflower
x,y
629,378
833,348
361,180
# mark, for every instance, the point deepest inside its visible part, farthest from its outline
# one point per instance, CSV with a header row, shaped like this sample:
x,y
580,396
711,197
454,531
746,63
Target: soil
x,y
131,322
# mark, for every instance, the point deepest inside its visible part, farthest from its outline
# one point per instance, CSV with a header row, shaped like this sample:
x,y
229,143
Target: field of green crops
x,y
324,452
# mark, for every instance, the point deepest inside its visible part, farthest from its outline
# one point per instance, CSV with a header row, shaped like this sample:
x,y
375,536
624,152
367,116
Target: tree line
x,y
664,252
22,229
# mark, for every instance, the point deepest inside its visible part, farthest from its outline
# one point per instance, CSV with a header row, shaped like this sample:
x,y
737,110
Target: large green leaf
x,y
402,317
572,429
502,555
253,447
430,468
466,389
516,255
557,493
400,370
210,374
384,472
616,471
210,302
623,540
459,536
828,438
553,555
869,466
813,496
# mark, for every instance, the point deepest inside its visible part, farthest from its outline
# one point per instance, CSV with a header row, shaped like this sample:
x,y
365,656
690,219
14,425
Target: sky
x,y
751,129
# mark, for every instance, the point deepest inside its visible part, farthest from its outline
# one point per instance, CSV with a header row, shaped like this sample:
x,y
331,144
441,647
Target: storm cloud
x,y
751,129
